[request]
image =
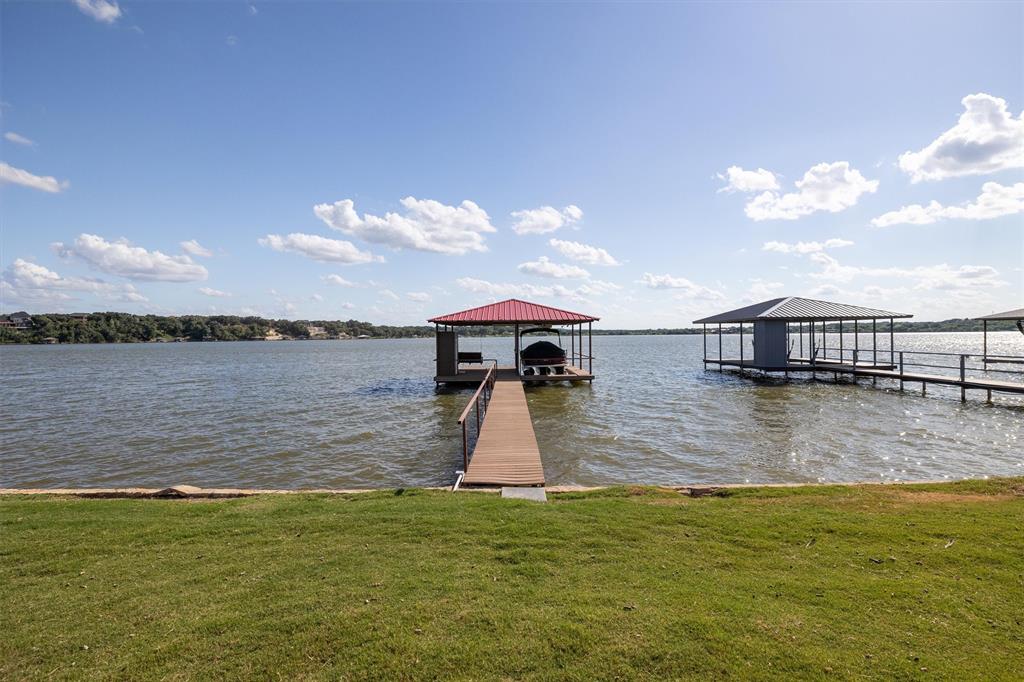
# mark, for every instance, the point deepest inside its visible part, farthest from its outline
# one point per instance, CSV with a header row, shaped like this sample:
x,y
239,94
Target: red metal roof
x,y
511,311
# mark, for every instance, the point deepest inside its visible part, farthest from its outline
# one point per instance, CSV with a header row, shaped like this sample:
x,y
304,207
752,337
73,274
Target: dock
x,y
881,371
506,452
783,325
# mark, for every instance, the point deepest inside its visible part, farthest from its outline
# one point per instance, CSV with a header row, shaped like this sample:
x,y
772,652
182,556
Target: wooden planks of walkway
x,y
506,452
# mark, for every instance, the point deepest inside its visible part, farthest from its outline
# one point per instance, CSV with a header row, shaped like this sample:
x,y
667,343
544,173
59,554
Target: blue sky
x,y
649,163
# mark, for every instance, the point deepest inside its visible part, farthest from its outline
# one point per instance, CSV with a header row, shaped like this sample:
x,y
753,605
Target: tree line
x,y
112,327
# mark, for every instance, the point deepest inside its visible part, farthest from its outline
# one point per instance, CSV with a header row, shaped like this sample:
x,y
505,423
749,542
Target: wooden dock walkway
x,y
506,451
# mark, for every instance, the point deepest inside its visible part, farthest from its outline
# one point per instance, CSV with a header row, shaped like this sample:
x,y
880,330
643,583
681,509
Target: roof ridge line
x,y
782,301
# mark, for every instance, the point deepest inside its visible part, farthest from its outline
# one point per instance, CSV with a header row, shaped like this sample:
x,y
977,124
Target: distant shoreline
x,y
112,327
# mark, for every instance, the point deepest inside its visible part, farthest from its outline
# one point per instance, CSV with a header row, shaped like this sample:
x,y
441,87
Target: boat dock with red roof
x,y
506,451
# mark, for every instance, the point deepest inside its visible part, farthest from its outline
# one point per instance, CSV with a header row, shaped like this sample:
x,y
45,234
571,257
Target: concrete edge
x,y
193,492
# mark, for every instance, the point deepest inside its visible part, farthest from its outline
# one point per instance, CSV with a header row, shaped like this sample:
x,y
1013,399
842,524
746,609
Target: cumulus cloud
x,y
319,248
543,267
831,187
17,176
337,280
418,296
994,201
582,253
514,290
194,248
100,10
545,219
427,225
216,293
805,247
739,180
987,138
387,293
684,287
922,277
29,281
133,262
18,139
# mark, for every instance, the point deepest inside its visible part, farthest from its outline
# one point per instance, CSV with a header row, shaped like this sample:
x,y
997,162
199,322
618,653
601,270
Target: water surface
x,y
366,413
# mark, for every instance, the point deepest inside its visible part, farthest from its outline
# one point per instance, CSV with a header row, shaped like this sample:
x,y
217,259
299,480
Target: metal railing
x,y
959,363
483,393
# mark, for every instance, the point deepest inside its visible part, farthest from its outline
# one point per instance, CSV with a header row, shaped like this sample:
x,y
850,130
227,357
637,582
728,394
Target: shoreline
x,y
194,492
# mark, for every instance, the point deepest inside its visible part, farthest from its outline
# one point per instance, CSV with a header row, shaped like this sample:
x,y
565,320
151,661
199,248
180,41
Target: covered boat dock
x,y
454,366
1016,316
506,452
781,326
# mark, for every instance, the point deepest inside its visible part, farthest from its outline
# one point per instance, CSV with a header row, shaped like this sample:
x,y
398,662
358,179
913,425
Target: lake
x,y
367,414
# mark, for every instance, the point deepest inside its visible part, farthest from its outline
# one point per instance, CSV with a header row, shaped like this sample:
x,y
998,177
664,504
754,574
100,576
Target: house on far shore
x,y
79,317
18,320
317,332
274,335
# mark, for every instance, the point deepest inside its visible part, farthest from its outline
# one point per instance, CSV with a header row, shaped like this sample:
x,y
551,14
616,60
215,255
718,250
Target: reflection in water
x,y
345,414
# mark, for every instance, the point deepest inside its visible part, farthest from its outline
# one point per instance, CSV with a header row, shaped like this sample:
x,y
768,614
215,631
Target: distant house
x,y
317,332
79,317
19,320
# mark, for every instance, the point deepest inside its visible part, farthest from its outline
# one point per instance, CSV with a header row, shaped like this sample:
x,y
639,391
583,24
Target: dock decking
x,y
506,451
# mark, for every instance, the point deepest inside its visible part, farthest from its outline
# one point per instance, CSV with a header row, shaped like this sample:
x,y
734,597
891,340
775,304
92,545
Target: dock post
x,y
901,370
590,347
963,376
719,346
989,399
705,335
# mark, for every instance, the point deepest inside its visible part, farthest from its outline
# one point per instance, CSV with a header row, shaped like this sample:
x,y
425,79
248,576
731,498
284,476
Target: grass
x,y
630,583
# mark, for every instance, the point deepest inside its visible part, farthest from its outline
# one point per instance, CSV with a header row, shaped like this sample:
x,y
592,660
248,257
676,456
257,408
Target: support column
x,y
741,345
892,342
719,346
590,347
705,335
516,347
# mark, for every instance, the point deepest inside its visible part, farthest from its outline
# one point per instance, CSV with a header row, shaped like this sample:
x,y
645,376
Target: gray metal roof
x,y
1017,314
796,309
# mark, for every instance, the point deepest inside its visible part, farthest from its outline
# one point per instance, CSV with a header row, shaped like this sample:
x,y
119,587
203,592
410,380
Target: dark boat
x,y
542,357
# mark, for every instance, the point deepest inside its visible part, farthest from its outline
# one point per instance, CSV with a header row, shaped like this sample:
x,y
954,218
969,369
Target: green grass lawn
x,y
878,582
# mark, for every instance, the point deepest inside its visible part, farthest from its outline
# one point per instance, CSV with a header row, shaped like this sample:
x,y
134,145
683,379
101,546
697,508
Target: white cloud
x,y
387,293
253,11
583,253
194,248
543,267
987,138
994,201
545,219
346,306
760,290
805,247
427,225
922,277
18,139
31,282
216,293
316,297
100,10
513,290
17,176
739,180
319,248
134,262
337,280
231,41
831,187
685,287
418,296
